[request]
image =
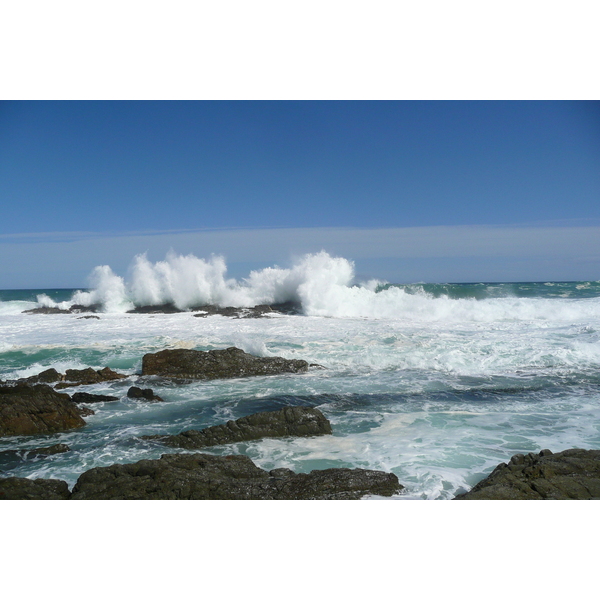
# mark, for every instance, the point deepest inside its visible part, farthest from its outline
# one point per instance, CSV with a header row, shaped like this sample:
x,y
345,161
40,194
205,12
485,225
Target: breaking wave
x,y
325,286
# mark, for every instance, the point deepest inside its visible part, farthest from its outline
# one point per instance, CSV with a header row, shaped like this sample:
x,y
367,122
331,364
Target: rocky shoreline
x,y
205,310
31,406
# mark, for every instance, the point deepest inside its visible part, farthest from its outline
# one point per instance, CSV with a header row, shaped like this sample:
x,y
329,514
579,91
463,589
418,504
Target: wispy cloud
x,y
24,257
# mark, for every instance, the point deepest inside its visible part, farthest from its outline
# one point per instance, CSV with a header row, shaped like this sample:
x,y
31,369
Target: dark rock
x,y
143,394
206,477
75,377
12,458
88,398
254,312
47,376
20,488
84,411
89,317
47,310
289,421
27,410
569,475
216,364
80,308
288,308
161,308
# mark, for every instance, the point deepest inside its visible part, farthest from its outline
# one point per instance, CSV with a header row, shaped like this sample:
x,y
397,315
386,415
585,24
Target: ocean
x,y
437,383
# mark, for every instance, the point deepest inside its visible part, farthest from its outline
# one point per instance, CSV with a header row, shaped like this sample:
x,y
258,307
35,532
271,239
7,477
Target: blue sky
x,y
411,191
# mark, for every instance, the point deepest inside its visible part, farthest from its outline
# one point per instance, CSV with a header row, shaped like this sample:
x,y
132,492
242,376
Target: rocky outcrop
x,y
289,421
206,477
89,398
72,377
28,410
21,488
569,475
216,364
255,312
145,394
75,377
155,309
53,310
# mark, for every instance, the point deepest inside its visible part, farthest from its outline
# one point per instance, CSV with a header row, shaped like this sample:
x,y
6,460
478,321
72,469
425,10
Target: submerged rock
x,y
143,394
28,410
568,475
21,488
289,421
206,477
216,364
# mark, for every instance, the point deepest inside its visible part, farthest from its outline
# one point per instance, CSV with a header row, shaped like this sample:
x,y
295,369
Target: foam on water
x,y
436,383
325,286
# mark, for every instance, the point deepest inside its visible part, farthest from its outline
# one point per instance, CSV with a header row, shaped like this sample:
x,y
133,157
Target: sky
x,y
408,190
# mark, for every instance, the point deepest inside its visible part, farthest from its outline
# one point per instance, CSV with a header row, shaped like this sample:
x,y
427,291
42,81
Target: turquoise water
x,y
436,383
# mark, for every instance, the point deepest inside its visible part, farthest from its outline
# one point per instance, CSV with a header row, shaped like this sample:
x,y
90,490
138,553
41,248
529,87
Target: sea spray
x,y
325,286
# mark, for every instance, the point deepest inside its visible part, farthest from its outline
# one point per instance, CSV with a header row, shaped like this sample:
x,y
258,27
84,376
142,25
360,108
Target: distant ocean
x,y
437,383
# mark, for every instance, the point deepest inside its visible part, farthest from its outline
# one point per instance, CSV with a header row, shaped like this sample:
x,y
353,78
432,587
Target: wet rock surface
x,y
32,409
216,364
568,475
207,477
289,421
146,394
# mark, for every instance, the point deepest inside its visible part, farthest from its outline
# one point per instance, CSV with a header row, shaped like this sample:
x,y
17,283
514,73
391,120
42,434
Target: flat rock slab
x,y
29,410
289,421
21,488
206,477
216,364
568,475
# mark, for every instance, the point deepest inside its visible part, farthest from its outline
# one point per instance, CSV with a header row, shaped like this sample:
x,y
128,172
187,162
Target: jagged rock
x,y
89,317
216,364
75,377
27,410
88,398
289,421
20,488
206,477
47,376
143,394
569,475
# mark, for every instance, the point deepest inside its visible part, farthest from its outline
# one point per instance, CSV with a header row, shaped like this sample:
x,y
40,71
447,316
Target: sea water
x,y
437,383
